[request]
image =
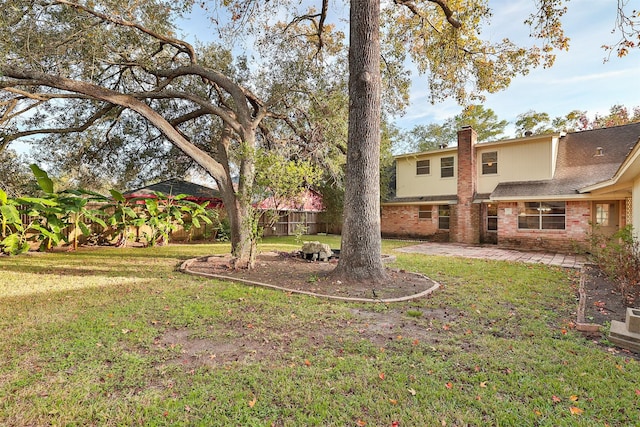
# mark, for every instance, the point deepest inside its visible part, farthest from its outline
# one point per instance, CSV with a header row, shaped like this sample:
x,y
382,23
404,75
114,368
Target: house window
x,y
602,214
423,167
446,167
541,215
490,163
492,217
443,217
425,212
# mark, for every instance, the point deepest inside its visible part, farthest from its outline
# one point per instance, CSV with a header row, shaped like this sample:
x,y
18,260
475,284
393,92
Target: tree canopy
x,y
432,136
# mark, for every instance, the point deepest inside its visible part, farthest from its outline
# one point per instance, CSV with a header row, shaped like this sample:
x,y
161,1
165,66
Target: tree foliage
x,y
15,178
432,136
110,81
576,120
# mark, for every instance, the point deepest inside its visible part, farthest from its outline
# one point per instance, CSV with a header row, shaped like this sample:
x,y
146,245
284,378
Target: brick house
x,y
537,192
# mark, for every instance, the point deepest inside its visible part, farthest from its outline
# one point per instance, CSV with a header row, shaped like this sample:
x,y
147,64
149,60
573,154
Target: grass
x,y
81,344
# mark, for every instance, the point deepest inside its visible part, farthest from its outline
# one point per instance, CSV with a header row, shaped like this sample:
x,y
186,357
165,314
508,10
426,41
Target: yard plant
x,y
63,217
119,337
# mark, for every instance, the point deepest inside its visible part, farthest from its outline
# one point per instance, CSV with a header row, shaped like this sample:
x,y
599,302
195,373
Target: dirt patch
x,y
196,352
603,302
380,328
290,271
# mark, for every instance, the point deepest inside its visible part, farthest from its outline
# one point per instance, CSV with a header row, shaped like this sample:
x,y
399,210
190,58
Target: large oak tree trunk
x,y
237,202
360,255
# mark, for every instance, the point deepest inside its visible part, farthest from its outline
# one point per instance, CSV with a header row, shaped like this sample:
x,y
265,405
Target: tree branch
x,y
6,139
178,44
241,96
448,13
123,100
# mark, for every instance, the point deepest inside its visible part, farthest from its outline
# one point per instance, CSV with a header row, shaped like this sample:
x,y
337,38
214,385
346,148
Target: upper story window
x,y
490,163
541,215
423,167
446,167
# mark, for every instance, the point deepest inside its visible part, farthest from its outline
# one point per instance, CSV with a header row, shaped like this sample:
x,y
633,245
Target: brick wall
x,y
577,228
403,221
466,220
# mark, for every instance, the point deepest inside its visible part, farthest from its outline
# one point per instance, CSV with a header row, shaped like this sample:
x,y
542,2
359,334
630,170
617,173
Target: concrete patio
x,y
495,253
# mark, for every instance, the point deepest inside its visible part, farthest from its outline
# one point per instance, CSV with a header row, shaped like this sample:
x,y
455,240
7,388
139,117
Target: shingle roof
x,y
584,158
175,187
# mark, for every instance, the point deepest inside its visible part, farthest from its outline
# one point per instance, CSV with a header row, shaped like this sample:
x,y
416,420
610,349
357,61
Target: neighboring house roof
x,y
174,187
584,159
309,201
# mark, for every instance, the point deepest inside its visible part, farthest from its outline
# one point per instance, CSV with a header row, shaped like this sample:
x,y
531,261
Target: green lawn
x,y
118,337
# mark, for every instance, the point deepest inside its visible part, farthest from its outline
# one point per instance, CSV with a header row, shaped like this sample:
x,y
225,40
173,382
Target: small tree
x,y
282,183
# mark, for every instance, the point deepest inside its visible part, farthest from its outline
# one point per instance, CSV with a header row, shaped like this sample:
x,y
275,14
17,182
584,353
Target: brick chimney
x,y
466,214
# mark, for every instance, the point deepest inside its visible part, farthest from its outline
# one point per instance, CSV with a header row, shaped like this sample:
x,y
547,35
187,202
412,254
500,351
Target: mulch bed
x,y
291,271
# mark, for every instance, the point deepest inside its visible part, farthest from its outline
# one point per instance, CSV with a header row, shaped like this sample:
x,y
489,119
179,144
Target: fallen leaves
x,y
575,410
573,398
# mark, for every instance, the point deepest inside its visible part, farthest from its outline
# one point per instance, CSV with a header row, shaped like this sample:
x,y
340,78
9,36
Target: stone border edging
x,y
581,325
184,267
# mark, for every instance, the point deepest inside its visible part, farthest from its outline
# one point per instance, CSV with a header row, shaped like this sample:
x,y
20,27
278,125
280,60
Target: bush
x,y
618,257
224,230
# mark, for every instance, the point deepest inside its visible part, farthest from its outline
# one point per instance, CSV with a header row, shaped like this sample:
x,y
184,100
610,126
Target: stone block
x,y
316,251
633,320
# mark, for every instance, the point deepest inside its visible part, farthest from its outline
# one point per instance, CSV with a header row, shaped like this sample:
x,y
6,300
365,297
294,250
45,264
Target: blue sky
x,y
579,80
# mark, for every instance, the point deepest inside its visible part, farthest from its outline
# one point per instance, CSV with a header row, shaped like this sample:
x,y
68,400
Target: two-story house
x,y
536,192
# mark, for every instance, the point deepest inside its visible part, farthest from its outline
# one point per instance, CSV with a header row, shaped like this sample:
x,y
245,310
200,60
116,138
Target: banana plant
x,y
9,215
195,213
121,217
162,215
74,203
12,232
51,213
